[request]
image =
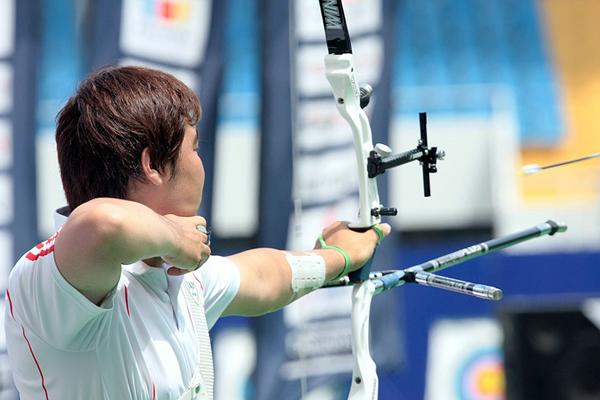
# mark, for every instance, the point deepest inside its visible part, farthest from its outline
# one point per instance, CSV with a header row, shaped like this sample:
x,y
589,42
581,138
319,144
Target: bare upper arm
x,y
264,279
83,250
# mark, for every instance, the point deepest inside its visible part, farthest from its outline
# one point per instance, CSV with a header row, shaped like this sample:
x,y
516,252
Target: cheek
x,y
200,170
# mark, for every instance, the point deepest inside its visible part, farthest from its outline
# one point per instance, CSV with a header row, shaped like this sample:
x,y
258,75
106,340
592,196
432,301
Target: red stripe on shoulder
x,y
198,280
10,304
31,256
37,364
126,295
187,306
42,249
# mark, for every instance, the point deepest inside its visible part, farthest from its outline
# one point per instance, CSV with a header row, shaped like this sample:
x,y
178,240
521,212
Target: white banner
x,y
325,187
6,263
6,145
368,56
186,76
363,16
6,87
169,31
7,27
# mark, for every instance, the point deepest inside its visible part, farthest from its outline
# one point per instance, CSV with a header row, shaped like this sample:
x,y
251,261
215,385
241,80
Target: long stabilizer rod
x,y
390,281
423,273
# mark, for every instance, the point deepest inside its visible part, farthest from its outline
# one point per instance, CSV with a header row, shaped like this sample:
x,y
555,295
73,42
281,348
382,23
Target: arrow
x,y
535,168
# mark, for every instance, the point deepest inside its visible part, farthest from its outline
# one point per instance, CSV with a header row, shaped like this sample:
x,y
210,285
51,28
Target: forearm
x,y
266,279
141,233
127,231
101,235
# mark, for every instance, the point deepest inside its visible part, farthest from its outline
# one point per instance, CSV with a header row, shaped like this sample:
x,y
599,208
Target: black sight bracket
x,y
381,160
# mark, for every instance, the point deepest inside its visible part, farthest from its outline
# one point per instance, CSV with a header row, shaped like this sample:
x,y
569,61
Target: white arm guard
x,y
308,271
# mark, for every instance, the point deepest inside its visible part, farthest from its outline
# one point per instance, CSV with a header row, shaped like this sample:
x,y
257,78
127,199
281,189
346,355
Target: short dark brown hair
x,y
115,114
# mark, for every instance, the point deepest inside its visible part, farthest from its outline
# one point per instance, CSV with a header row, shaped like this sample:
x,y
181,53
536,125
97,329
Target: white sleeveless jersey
x,y
139,343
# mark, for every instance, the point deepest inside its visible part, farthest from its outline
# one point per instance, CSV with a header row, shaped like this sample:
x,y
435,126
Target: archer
x,y
118,303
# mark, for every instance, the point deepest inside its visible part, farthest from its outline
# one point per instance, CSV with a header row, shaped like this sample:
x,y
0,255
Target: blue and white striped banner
x,y
306,349
18,65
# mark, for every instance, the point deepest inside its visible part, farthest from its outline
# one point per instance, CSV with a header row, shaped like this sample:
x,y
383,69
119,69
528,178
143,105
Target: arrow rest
x,y
366,91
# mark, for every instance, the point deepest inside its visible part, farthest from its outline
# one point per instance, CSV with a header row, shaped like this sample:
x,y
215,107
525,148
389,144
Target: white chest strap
x,y
202,383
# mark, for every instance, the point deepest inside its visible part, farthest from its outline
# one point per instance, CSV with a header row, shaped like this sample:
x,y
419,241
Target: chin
x,y
193,211
190,209
190,213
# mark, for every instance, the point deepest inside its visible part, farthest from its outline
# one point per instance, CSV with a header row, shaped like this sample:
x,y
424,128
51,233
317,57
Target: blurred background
x,y
504,83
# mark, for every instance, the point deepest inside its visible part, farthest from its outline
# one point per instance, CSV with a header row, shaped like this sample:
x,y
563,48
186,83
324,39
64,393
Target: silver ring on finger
x,y
203,229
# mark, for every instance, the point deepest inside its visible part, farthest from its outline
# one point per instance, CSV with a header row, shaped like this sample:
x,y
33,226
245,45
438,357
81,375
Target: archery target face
x,y
481,376
464,360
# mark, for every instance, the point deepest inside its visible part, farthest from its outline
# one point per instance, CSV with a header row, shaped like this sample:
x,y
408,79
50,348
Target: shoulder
x,y
216,269
39,260
44,303
219,279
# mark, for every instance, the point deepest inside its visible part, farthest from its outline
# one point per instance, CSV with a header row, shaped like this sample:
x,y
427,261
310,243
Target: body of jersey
x,y
139,343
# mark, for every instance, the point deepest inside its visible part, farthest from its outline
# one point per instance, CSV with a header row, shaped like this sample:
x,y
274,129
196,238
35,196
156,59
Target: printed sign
x,y
170,31
368,59
6,88
6,199
6,264
5,144
319,336
7,27
364,16
191,79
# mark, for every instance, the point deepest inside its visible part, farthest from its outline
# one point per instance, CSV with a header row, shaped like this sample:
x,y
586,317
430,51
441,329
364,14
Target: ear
x,y
151,174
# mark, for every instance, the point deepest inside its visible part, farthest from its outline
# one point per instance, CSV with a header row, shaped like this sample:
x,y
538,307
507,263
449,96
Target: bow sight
x,y
380,159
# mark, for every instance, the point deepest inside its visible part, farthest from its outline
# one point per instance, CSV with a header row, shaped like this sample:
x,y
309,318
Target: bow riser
x,y
339,70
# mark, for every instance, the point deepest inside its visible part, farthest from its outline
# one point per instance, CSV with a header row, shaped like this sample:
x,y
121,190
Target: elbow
x,y
102,223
